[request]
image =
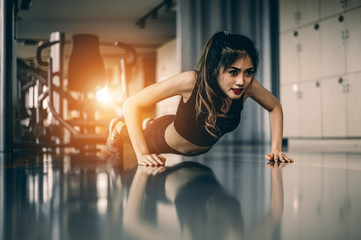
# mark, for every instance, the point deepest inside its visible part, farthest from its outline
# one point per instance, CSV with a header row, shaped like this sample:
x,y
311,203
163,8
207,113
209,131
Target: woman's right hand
x,y
151,160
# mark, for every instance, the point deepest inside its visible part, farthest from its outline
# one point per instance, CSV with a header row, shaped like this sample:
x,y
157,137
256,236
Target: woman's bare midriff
x,y
177,142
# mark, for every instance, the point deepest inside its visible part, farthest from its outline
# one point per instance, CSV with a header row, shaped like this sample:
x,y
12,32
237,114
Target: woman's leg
x,y
118,134
154,134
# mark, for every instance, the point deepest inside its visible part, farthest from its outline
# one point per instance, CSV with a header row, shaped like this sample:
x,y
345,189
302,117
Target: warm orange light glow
x,y
103,95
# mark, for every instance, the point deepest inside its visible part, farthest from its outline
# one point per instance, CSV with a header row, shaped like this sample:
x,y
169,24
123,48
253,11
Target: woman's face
x,y
234,80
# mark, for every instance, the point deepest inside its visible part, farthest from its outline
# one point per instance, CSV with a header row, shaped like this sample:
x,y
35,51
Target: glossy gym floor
x,y
229,193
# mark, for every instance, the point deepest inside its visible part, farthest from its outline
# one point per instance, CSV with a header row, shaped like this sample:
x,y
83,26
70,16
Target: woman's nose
x,y
240,80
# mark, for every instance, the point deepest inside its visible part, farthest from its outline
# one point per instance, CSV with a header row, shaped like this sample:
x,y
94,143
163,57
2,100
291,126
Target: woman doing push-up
x,y
211,102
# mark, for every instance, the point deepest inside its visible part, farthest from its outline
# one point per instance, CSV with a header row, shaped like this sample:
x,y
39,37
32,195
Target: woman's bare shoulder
x,y
252,89
262,96
179,84
188,82
183,82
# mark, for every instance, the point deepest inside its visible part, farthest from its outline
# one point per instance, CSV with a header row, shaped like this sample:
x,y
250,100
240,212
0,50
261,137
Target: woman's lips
x,y
237,90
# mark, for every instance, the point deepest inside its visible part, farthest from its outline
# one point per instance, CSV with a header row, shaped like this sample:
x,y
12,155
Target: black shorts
x,y
155,135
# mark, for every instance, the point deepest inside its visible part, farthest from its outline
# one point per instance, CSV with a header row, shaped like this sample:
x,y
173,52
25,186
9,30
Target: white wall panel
x,y
354,105
333,108
332,48
330,7
311,124
324,55
291,111
353,3
309,10
289,58
288,9
310,54
353,46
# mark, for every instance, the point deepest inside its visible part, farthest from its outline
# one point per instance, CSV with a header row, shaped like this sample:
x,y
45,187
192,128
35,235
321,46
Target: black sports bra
x,y
193,129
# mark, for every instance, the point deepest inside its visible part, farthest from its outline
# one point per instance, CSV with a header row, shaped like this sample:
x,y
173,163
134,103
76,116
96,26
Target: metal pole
x,y
7,63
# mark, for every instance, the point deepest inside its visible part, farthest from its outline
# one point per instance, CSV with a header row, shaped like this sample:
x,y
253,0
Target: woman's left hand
x,y
278,156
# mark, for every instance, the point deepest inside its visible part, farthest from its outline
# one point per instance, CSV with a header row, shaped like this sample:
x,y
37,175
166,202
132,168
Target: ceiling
x,y
111,20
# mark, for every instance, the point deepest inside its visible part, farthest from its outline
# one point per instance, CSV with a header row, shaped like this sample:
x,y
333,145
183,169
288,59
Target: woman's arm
x,y
269,102
180,84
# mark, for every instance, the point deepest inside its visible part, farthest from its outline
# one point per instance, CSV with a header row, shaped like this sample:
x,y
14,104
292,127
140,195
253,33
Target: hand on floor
x,y
278,156
151,160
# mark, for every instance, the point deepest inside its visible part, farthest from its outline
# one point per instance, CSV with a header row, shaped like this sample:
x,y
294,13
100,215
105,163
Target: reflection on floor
x,y
229,193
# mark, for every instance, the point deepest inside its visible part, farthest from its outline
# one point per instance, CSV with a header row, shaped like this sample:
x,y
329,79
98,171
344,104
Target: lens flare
x,y
103,95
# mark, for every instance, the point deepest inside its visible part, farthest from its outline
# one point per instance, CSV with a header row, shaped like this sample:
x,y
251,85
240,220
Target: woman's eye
x,y
233,72
249,73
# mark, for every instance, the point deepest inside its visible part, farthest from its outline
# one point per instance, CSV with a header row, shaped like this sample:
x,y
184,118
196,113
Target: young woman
x,y
211,105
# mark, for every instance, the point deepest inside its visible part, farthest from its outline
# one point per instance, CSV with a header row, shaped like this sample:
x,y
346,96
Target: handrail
x,y
50,102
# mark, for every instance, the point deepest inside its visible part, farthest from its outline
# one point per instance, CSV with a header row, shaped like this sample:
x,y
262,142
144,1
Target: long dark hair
x,y
221,51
